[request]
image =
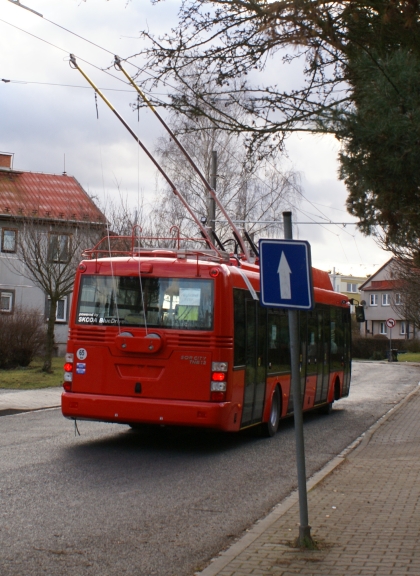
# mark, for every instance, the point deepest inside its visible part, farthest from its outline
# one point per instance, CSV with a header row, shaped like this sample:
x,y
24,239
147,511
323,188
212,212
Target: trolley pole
x,y
212,202
304,528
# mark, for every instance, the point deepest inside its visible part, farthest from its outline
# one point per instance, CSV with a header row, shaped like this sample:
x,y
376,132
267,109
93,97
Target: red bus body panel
x,y
135,410
165,378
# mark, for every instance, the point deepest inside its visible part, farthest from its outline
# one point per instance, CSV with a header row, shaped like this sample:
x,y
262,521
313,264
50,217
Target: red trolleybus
x,y
176,336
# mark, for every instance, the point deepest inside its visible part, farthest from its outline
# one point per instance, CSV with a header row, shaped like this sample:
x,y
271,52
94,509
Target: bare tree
x,y
50,254
359,65
252,188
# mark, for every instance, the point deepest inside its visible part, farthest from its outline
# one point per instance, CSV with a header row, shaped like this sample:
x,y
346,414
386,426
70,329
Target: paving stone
x,y
375,526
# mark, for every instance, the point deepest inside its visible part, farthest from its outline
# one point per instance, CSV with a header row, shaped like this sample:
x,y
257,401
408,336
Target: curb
x,y
15,411
13,402
219,562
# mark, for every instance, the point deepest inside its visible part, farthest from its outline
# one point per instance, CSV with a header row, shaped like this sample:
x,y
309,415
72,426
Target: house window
x,y
373,299
59,247
61,311
8,240
398,300
383,328
6,301
385,300
403,328
351,287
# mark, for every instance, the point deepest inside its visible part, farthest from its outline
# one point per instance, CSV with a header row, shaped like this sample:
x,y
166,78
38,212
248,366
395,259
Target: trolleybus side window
x,y
278,341
180,303
239,297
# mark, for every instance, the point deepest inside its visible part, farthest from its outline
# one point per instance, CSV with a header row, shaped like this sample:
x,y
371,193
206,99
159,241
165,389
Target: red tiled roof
x,y
48,196
384,285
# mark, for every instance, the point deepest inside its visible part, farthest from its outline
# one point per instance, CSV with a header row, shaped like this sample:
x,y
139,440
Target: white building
x,y
51,202
348,285
381,299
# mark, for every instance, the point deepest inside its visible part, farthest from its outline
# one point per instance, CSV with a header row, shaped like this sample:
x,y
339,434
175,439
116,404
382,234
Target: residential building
x,y
54,205
381,299
348,285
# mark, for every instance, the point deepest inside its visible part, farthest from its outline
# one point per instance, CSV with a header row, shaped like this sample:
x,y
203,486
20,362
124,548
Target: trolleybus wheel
x,y
138,426
270,428
326,409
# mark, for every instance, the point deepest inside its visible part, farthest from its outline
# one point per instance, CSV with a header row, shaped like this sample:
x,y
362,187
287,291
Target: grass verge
x,y
32,377
409,357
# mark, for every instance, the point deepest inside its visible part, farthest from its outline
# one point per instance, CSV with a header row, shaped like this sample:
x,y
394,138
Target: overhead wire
x,y
139,69
256,175
63,50
85,40
7,81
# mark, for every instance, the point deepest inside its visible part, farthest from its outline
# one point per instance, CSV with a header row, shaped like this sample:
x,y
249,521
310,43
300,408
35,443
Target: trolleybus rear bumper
x,y
219,415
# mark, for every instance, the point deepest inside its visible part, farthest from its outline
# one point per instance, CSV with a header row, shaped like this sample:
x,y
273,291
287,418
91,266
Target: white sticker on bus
x,y
189,296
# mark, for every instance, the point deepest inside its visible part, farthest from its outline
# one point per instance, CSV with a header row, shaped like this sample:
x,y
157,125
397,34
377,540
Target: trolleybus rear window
x,y
179,303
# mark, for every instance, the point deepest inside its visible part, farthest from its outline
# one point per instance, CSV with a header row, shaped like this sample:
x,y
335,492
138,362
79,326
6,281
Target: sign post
x,y
286,282
390,323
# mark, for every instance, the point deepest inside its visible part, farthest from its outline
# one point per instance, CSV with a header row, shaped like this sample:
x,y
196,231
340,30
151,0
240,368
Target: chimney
x,y
6,160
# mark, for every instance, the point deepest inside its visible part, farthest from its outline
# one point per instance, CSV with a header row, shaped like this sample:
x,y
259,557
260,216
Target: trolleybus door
x,y
255,327
323,361
347,351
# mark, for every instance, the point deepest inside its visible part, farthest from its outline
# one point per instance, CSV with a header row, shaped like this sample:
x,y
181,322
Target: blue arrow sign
x,y
286,274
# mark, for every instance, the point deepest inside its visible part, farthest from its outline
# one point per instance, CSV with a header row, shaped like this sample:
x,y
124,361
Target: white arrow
x,y
284,277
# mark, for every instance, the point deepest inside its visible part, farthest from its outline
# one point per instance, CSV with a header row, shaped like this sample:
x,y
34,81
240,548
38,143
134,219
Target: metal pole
x,y
212,192
304,528
391,359
212,202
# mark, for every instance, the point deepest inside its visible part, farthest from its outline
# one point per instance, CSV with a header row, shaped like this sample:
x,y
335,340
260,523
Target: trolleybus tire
x,y
270,428
136,426
326,408
139,426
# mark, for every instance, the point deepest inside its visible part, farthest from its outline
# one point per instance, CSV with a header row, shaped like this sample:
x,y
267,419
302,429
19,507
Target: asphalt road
x,y
112,501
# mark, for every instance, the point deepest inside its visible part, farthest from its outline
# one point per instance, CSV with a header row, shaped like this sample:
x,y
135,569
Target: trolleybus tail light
x,y
218,381
68,372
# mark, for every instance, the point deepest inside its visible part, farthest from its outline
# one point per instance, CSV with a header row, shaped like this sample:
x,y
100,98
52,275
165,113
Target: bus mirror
x,y
360,314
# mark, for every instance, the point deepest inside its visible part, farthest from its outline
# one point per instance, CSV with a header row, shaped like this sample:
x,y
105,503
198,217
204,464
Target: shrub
x,y
412,345
370,348
22,334
377,347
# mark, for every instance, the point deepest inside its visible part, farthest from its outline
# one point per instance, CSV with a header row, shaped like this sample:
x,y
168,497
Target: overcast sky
x,y
48,117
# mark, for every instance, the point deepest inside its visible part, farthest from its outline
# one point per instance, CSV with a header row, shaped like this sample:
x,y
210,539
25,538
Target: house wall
x,y
340,282
25,293
51,202
385,307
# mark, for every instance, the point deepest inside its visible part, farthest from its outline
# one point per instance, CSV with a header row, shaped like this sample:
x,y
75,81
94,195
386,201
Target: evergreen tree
x,y
361,82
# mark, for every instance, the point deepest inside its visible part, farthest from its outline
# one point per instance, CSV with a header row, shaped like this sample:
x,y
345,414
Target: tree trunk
x,y
49,344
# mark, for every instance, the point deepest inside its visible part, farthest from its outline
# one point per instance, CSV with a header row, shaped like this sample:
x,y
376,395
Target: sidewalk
x,y
364,508
15,401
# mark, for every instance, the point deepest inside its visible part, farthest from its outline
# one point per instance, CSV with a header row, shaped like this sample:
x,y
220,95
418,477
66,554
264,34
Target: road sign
x,y
286,274
390,322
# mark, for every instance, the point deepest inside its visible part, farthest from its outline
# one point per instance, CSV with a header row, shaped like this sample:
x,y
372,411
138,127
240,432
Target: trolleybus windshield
x,y
180,303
